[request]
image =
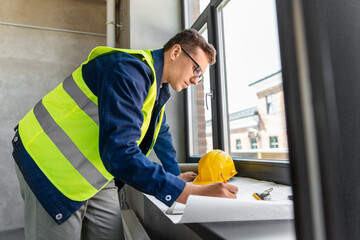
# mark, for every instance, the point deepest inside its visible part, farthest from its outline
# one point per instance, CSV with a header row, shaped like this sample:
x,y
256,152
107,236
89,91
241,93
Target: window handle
x,y
210,94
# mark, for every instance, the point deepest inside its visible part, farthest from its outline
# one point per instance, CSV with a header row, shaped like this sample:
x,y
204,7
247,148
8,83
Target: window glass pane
x,y
270,103
194,9
238,144
254,81
274,142
200,125
253,143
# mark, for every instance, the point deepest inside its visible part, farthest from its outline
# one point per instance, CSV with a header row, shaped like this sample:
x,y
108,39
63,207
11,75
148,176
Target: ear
x,y
175,52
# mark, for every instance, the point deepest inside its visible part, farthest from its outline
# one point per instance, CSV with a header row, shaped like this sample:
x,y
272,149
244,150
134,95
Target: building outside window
x,y
241,96
274,142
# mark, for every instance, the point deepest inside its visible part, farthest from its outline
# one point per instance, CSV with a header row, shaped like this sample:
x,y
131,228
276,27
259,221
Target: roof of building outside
x,y
262,79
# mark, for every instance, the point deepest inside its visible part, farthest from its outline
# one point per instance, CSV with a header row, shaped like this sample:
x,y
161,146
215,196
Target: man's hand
x,y
224,190
188,176
217,190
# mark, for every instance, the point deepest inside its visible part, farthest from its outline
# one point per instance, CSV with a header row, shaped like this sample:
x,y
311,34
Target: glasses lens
x,y
198,74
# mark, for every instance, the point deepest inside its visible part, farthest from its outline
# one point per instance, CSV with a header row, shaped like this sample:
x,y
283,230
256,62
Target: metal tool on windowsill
x,y
264,195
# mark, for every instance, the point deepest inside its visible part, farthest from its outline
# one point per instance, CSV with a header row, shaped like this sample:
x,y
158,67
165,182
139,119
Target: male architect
x,y
100,124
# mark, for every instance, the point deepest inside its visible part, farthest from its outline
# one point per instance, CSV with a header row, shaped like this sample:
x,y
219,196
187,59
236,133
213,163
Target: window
x,y
199,114
253,142
270,106
242,95
193,10
253,75
238,144
274,142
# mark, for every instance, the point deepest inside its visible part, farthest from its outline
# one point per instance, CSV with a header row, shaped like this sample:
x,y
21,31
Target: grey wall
x,y
152,24
153,31
32,62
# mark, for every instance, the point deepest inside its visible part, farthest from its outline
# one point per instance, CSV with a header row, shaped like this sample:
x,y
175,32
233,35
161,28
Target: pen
x,y
223,178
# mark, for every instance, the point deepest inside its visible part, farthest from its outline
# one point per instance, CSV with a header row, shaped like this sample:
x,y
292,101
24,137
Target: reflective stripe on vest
x,y
61,132
89,107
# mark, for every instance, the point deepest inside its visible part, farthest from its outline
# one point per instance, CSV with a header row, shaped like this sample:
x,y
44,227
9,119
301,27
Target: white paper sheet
x,y
244,208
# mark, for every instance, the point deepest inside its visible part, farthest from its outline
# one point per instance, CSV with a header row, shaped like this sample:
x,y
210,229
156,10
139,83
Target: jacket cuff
x,y
171,190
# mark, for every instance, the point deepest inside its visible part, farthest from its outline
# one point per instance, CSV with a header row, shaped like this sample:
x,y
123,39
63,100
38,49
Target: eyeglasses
x,y
197,71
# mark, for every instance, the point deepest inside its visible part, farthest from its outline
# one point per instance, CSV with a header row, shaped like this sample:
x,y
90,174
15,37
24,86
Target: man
x,y
100,124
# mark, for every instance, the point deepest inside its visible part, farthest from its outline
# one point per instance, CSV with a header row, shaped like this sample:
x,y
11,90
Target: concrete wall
x,y
152,24
32,62
153,31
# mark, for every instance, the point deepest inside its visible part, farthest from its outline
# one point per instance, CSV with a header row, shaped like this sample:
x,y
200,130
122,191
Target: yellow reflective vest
x,y
61,133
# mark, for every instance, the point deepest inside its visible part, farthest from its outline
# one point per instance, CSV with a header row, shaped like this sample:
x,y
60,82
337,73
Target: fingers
x,y
192,174
224,190
232,195
232,188
188,176
230,191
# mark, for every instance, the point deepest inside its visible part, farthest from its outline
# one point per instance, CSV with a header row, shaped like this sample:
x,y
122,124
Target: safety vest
x,y
61,133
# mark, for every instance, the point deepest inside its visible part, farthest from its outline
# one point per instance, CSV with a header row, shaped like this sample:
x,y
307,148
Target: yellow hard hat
x,y
215,166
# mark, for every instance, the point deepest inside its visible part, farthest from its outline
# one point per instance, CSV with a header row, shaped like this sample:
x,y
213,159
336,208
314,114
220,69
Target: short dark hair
x,y
190,39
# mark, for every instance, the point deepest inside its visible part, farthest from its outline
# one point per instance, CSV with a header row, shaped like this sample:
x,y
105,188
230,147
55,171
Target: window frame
x,y
271,170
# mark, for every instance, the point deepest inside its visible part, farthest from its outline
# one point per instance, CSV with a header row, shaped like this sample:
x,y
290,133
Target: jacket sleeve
x,y
164,149
124,87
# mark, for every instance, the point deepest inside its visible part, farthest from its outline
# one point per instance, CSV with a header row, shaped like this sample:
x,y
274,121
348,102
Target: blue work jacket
x,y
111,77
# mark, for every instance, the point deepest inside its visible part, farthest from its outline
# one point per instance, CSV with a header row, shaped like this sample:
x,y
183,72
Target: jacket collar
x,y
158,57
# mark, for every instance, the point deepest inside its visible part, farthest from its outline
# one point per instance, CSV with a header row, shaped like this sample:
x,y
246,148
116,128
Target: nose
x,y
194,81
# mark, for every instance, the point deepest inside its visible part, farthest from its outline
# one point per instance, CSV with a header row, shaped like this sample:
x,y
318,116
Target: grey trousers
x,y
99,218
